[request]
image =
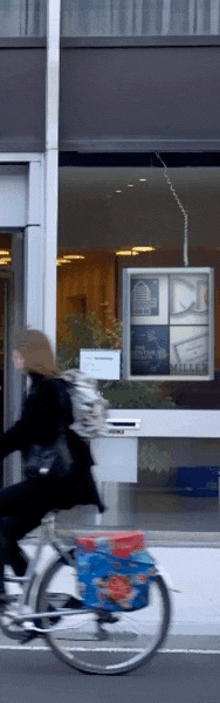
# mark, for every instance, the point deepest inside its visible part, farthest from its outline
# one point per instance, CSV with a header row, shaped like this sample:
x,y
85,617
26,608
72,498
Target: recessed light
x,y
130,185
62,261
126,252
118,191
69,257
143,249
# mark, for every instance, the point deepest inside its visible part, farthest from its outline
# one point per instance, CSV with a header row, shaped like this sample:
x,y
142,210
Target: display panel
x,y
168,321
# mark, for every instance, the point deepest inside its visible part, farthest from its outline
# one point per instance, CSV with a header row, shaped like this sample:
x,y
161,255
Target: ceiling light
x,y
143,180
143,249
126,252
130,185
118,191
4,262
4,252
73,256
62,261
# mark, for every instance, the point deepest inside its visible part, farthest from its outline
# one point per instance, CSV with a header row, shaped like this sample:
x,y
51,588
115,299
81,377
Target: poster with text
x,y
189,299
149,300
189,350
149,350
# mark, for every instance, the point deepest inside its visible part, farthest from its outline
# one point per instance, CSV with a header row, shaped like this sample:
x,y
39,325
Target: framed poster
x,y
168,324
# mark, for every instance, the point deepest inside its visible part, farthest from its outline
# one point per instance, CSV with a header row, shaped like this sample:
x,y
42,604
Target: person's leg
x,y
3,556
26,504
13,554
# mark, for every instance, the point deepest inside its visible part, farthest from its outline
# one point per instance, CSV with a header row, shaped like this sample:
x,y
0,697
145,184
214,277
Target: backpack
x,y
90,409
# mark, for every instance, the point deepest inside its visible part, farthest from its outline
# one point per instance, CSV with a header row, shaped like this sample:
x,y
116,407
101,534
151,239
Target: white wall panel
x,y
13,195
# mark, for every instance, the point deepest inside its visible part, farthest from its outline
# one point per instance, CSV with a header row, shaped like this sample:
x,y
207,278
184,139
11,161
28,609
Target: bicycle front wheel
x,y
85,641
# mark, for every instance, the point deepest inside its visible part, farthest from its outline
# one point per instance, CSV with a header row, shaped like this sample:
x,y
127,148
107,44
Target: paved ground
x,y
38,676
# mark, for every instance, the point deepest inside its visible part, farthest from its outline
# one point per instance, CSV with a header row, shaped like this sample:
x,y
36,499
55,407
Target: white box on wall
x,y
116,459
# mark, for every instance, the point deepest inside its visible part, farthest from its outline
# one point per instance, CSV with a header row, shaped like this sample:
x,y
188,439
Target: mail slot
x,y
122,426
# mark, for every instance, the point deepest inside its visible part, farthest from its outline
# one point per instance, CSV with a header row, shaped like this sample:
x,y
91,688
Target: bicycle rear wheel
x,y
82,641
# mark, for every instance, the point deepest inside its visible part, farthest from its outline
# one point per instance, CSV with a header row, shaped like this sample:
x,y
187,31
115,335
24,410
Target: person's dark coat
x,y
46,407
23,505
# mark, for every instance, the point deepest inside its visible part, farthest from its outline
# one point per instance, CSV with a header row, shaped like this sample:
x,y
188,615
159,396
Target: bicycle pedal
x,y
107,618
27,636
74,603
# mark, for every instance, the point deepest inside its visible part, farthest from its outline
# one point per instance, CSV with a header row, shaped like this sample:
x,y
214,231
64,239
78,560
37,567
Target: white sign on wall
x,y
100,363
115,459
168,321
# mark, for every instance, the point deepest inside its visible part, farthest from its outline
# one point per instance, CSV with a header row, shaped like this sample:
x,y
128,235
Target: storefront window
x,y
116,218
87,18
112,219
22,19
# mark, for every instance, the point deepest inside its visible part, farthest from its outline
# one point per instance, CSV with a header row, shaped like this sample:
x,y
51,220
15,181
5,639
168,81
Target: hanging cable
x,y
185,215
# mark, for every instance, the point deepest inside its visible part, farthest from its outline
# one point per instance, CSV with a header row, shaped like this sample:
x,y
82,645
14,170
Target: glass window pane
x,y
22,19
117,218
114,18
112,218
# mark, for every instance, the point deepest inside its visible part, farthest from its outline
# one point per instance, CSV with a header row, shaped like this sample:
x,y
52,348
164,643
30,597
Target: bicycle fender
x,y
166,577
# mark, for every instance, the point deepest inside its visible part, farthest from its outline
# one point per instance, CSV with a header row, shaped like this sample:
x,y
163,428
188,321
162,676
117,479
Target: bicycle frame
x,y
20,615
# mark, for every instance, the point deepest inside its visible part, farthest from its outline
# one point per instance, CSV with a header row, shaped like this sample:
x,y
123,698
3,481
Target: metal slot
x,y
120,423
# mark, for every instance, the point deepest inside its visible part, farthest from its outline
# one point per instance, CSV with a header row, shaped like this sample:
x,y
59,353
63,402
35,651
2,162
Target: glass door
x,y
11,317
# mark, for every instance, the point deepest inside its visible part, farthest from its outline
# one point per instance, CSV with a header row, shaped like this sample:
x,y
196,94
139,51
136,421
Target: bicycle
x,y
95,642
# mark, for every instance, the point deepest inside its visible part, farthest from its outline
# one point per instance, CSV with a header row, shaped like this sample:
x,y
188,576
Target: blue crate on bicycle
x,y
114,570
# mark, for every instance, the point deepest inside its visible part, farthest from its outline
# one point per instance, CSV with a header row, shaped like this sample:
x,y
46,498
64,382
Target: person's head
x,y
33,353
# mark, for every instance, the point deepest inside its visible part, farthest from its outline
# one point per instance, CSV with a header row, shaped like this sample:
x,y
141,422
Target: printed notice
x,y
100,363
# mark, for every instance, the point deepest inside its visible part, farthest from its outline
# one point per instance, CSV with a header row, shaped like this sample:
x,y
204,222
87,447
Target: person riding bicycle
x,y
45,410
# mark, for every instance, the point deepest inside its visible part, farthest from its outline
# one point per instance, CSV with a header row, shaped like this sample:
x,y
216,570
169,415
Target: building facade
x,y
103,102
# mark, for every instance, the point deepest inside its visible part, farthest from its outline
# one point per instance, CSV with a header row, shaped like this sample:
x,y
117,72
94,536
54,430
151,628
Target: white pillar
x,y
51,169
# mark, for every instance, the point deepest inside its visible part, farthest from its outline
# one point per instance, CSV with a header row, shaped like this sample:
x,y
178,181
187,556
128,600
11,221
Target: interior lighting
x,y
126,252
69,257
143,180
61,261
130,185
118,191
4,262
142,249
4,252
